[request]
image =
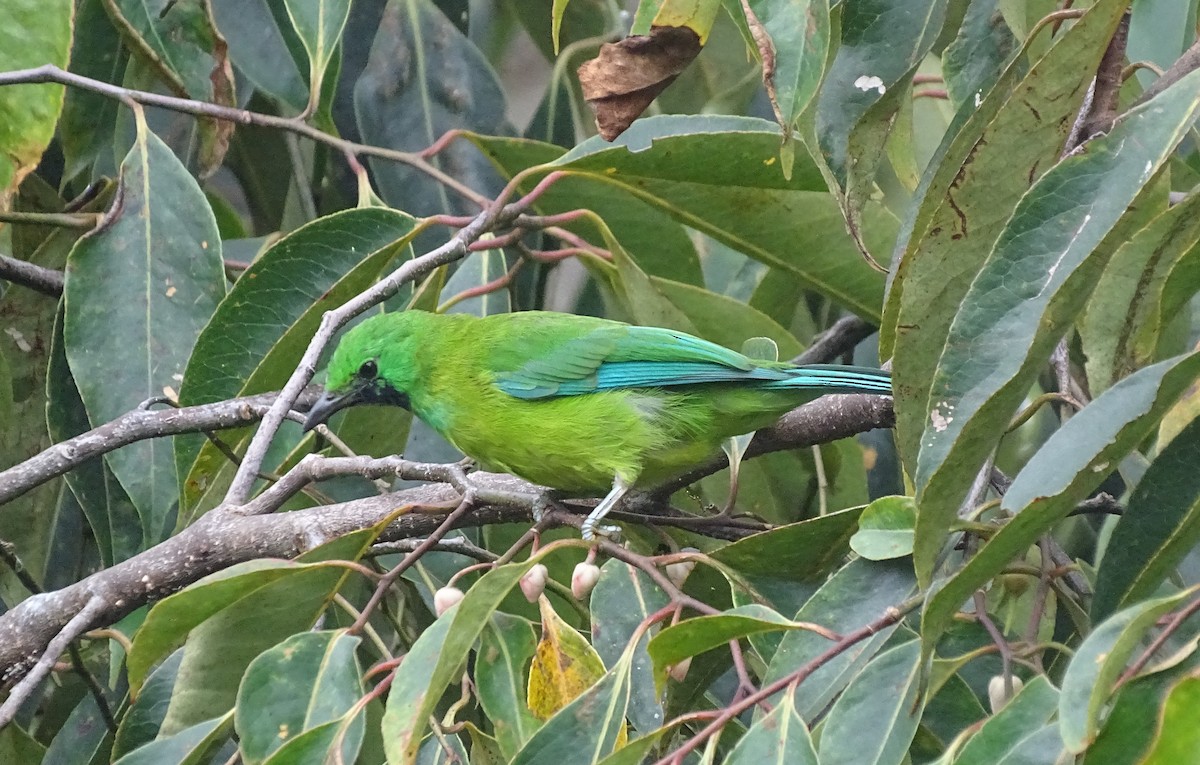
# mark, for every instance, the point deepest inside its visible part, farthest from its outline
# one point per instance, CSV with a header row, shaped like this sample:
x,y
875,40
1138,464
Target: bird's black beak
x,y
331,403
364,392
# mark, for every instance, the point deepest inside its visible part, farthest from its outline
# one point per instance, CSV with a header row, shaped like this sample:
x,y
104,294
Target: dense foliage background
x,y
1001,187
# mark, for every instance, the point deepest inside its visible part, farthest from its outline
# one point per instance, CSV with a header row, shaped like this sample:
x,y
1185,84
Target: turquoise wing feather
x,y
610,356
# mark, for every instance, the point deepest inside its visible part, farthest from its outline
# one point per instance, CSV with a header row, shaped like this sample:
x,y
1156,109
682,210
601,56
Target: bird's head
x,y
371,365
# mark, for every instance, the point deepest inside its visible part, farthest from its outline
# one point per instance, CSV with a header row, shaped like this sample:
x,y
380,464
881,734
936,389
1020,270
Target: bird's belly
x,y
580,443
575,444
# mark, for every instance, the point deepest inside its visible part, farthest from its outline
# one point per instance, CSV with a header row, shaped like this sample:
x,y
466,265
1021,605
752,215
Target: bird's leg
x,y
734,448
589,529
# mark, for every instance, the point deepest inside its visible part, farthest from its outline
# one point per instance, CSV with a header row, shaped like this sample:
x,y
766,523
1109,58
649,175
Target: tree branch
x,y
841,338
1184,65
829,418
44,280
51,73
131,427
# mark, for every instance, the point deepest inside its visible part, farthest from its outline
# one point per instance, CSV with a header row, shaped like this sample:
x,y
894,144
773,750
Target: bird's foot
x,y
467,465
545,502
593,532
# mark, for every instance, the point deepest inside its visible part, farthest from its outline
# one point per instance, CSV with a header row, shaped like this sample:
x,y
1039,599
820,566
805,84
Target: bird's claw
x,y
467,465
592,532
543,504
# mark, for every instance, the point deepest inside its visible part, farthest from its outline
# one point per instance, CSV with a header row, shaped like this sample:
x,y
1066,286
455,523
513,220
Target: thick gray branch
x,y
44,280
216,542
130,427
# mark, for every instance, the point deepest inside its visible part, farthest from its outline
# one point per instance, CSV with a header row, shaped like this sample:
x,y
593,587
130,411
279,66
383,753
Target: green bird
x,y
570,402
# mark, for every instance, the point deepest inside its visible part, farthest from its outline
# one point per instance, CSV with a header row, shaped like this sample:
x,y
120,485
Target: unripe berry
x,y
998,694
583,579
445,598
533,584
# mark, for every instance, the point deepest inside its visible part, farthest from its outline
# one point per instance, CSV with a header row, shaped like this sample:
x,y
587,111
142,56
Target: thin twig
x,y
44,280
136,425
390,577
845,334
892,616
1176,622
55,648
51,73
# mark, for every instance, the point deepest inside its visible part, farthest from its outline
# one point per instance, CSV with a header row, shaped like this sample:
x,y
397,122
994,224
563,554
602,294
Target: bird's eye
x,y
368,370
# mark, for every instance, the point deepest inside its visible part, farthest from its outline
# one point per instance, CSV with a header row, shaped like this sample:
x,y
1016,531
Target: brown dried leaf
x,y
622,81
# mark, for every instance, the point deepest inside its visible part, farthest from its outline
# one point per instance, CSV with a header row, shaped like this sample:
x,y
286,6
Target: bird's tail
x,y
835,378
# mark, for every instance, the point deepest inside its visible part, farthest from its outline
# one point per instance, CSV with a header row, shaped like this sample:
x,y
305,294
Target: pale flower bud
x,y
533,584
679,670
446,598
678,572
997,693
583,579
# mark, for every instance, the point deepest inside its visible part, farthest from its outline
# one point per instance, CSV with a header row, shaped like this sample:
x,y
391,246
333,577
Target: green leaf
x,y
1127,317
867,727
1096,665
857,594
262,327
341,737
1159,528
799,40
320,26
261,46
772,563
621,600
703,633
1113,333
28,347
188,52
307,680
82,738
587,729
1062,473
973,62
660,245
724,320
1025,713
88,119
882,43
966,200
35,32
18,746
1039,275
885,529
413,91
172,619
506,648
127,339
779,737
438,658
192,746
1177,736
141,722
219,649
696,15
478,270
1131,725
110,512
744,202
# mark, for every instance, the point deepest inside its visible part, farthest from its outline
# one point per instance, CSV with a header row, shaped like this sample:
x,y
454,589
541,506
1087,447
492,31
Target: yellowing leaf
x,y
564,666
